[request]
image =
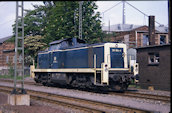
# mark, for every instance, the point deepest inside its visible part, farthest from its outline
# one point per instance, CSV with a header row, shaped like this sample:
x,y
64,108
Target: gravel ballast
x,y
149,105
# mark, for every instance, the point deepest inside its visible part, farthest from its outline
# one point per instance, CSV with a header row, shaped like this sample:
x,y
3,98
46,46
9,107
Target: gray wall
x,y
159,75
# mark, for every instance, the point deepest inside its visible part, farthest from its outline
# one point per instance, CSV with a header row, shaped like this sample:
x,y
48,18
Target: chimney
x,y
151,30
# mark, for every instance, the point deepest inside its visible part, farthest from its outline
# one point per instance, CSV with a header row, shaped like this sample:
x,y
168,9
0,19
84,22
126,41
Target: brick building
x,y
7,54
155,66
136,35
154,60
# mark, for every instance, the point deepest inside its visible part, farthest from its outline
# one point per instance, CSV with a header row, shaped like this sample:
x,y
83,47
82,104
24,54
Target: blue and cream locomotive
x,y
71,62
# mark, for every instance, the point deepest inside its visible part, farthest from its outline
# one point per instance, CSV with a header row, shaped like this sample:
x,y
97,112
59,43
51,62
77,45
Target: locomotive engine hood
x,y
65,43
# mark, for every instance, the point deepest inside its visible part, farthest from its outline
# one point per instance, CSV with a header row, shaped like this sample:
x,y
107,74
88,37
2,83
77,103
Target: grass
x,y
134,86
12,77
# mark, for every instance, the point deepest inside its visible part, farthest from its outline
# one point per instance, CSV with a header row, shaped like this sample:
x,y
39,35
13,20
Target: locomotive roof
x,y
81,45
85,45
66,39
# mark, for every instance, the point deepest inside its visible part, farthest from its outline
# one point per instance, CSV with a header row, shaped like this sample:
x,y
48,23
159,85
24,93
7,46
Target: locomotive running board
x,y
68,70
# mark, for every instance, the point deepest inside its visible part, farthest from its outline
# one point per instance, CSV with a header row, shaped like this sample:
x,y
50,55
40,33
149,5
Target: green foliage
x,y
114,34
12,77
11,39
91,23
33,45
60,19
11,69
34,22
28,60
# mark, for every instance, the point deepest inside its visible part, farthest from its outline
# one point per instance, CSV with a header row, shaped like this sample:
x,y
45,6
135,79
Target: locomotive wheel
x,y
44,83
119,88
48,82
36,80
44,79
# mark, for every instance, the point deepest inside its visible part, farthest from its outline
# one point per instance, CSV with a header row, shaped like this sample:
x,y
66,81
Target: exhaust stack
x,y
151,30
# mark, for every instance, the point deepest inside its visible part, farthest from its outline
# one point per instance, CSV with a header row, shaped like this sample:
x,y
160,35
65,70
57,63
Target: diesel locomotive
x,y
71,62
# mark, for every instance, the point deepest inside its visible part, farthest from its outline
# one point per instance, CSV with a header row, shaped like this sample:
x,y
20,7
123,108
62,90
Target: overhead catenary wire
x,y
141,12
2,4
111,7
132,7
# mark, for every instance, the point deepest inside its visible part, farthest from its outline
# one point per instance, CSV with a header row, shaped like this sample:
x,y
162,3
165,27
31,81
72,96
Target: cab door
x,y
55,59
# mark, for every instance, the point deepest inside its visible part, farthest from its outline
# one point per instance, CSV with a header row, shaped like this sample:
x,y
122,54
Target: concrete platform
x,y
14,99
3,99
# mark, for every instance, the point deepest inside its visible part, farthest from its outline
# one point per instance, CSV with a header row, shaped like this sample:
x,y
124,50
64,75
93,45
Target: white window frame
x,y
154,57
165,41
7,59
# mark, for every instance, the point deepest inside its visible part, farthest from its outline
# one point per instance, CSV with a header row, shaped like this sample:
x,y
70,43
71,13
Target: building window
x,y
20,59
7,59
145,40
162,39
153,58
13,59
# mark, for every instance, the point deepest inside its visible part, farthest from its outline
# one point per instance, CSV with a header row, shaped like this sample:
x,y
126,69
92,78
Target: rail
x,y
76,103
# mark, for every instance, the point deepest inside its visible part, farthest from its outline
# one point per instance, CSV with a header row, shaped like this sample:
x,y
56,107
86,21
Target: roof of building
x,y
129,27
2,40
120,27
151,46
162,29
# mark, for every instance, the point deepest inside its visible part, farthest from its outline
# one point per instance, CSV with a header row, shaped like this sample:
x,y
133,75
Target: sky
x,y
159,9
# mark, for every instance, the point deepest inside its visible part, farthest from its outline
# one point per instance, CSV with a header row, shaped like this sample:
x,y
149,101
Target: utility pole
x,y
80,19
74,18
109,26
123,12
19,47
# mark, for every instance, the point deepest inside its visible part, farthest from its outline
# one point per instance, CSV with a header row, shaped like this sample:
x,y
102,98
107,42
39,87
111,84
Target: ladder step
x,y
20,48
19,37
20,17
20,5
19,69
19,81
20,27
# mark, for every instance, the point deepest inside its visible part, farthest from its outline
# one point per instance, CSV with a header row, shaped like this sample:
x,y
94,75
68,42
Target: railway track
x,y
149,96
131,94
154,97
11,81
84,105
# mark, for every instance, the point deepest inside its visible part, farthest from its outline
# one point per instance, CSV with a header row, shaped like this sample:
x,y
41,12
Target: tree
x,y
91,22
34,21
60,19
33,45
63,21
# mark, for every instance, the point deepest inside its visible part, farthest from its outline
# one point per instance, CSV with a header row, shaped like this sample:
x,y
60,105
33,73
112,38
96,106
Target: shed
x,y
155,66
